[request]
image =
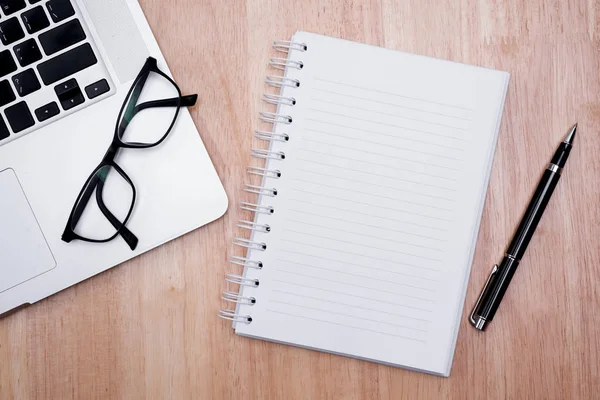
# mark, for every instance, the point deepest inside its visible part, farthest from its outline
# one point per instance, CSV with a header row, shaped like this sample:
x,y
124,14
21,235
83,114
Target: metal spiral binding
x,y
276,99
262,228
249,244
244,262
281,81
253,226
270,136
256,208
242,281
234,297
283,63
285,46
260,190
232,316
273,118
271,173
273,155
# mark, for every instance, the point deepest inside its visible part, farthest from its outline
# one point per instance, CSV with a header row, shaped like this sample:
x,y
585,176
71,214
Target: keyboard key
x,y
60,9
4,132
19,117
27,52
26,82
67,64
62,37
46,112
69,94
7,63
6,93
11,6
11,31
97,89
35,20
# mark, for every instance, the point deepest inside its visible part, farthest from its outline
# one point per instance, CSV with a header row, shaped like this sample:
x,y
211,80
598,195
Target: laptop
x,y
65,69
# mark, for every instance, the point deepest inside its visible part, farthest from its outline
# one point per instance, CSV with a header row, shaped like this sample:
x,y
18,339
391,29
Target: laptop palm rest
x,y
24,253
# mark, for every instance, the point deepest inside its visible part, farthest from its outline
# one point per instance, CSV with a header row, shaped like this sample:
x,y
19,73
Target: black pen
x,y
500,277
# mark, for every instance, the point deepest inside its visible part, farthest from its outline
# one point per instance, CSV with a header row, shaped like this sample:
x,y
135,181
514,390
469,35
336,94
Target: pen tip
x,y
571,135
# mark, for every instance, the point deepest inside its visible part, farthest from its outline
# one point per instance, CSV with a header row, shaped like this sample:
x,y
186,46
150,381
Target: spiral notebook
x,y
370,203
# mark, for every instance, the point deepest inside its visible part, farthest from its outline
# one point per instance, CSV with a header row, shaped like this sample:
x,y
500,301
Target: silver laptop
x,y
65,69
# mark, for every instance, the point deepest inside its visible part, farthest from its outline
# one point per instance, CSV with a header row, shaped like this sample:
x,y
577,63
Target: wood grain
x,y
148,329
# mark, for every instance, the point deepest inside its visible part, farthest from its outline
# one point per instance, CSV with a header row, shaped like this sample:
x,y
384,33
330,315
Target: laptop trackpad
x,y
24,253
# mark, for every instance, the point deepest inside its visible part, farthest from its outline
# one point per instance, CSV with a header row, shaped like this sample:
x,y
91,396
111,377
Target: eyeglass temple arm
x,y
184,101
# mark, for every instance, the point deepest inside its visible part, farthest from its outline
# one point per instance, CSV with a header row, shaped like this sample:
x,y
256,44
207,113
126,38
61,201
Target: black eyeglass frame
x,y
96,181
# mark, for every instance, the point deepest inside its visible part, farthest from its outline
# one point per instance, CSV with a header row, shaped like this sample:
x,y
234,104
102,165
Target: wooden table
x,y
149,329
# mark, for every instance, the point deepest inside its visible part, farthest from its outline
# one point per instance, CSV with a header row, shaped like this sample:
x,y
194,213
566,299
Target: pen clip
x,y
483,292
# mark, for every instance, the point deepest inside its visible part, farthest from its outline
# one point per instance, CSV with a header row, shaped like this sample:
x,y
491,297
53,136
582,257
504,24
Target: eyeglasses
x,y
104,219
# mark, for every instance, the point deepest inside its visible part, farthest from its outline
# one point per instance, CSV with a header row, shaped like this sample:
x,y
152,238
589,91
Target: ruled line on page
x,y
368,215
371,163
386,124
393,104
361,255
382,134
368,130
392,94
350,305
409,149
421,183
378,196
428,163
365,235
353,295
347,315
360,265
363,245
344,325
386,186
372,173
366,204
354,285
329,154
390,114
355,275
371,226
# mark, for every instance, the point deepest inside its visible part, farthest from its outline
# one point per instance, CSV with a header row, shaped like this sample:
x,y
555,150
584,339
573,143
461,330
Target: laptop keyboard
x,y
49,66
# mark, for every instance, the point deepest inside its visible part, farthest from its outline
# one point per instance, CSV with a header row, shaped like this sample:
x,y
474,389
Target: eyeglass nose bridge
x,y
110,154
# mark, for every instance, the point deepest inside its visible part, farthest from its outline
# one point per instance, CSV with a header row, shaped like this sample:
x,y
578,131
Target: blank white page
x,y
378,204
